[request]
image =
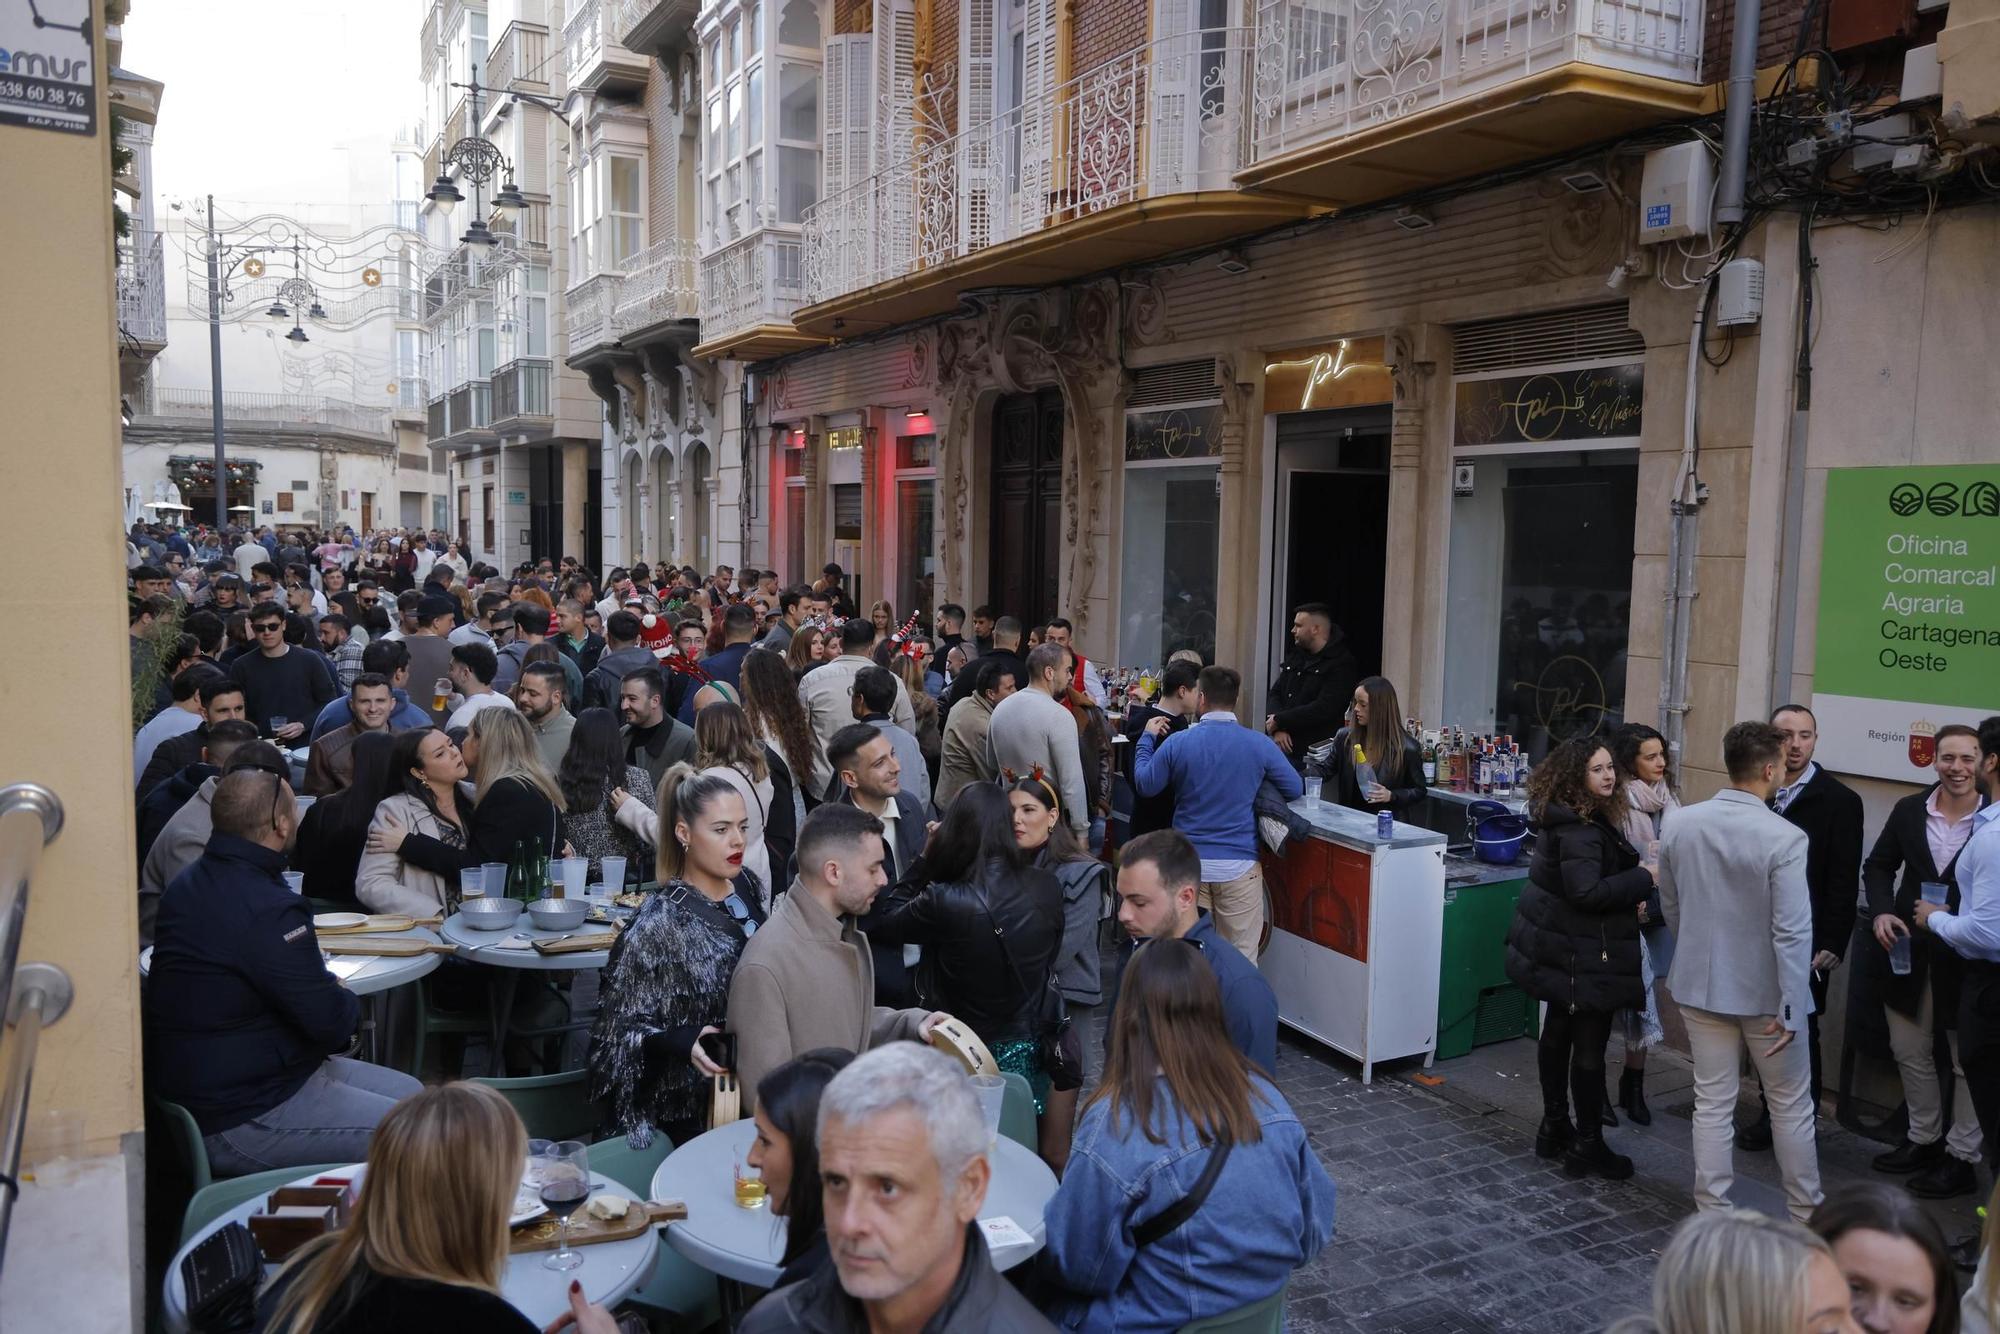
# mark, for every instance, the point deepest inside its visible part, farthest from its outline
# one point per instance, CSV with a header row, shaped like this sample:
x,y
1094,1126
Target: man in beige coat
x,y
806,978
966,758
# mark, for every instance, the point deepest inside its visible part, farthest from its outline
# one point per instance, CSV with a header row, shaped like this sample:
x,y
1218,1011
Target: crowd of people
x,y
851,830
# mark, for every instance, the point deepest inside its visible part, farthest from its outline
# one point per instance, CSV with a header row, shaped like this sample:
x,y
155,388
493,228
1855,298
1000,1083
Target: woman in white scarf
x,y
1641,755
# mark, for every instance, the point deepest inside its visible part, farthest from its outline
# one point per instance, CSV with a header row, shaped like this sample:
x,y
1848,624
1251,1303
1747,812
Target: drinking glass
x,y
1312,786
991,1090
564,1172
1935,891
278,720
614,874
750,1188
575,875
295,881
496,878
472,882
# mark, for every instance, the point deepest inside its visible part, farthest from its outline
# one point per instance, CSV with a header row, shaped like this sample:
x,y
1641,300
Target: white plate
x,y
527,1205
335,921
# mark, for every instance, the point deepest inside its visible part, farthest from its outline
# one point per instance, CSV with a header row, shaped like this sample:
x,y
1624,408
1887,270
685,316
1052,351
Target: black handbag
x,y
220,1279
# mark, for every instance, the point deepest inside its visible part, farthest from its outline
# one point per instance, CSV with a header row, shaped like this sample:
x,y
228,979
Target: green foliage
x,y
151,663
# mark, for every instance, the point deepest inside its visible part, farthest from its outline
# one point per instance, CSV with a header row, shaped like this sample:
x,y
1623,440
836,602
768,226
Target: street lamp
x,y
479,160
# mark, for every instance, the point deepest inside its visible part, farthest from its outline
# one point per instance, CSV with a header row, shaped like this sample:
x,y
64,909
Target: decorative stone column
x,y
1239,516
576,495
1413,592
819,542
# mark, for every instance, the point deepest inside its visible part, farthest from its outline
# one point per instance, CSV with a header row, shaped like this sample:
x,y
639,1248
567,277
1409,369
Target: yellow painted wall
x,y
63,692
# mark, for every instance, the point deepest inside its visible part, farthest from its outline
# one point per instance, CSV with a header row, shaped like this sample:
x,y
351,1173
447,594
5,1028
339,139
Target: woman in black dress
x,y
334,829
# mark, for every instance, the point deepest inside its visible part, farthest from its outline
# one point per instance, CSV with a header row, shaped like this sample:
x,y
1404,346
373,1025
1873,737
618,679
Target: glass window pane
x,y
715,63
753,23
735,47
1172,526
798,103
798,182
734,139
714,133
753,120
916,546
798,24
624,185
1537,639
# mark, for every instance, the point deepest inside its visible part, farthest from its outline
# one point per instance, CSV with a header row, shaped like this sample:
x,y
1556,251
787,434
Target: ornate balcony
x,y
462,416
274,410
1135,159
1356,100
520,59
142,292
521,395
657,25
587,315
749,290
659,287
593,56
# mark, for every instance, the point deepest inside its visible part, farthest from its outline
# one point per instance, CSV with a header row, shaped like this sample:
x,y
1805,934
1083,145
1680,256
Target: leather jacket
x,y
989,945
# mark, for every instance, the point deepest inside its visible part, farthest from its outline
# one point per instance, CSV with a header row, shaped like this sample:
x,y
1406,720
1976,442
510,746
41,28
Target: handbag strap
x,y
1177,1213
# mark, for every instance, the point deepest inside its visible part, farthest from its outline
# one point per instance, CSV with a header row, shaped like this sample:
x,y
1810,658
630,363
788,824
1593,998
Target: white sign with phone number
x,y
47,75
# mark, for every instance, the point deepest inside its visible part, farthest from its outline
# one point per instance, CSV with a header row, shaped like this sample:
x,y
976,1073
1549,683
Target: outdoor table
x,y
610,1269
747,1244
484,947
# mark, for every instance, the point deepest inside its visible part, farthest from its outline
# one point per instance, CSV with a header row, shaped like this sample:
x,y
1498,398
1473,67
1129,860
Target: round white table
x,y
610,1269
485,947
377,973
747,1244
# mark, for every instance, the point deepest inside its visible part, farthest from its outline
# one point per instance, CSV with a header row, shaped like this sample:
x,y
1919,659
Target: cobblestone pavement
x,y
1448,1222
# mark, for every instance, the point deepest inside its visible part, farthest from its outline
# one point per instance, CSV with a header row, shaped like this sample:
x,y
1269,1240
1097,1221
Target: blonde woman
x,y
426,1245
1732,1271
516,804
726,748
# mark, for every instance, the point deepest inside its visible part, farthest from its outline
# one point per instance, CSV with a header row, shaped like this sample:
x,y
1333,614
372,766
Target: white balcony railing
x,y
275,410
1330,68
1165,118
592,53
757,280
521,56
659,285
587,313
142,293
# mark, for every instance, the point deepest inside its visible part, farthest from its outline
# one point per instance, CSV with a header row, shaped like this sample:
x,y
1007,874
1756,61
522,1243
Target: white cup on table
x,y
296,881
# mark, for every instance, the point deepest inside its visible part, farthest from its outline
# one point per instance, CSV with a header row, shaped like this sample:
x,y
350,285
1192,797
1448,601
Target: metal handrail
x,y
38,993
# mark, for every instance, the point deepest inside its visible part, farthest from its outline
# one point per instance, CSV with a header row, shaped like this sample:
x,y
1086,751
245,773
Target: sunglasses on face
x,y
269,627
369,602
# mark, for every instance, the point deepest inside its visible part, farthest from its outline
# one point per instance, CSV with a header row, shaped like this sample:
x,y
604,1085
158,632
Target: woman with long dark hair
x,y
786,1154
1575,944
803,654
1640,753
422,794
778,716
991,925
1181,1115
1392,755
1899,1271
334,831
666,985
593,768
516,805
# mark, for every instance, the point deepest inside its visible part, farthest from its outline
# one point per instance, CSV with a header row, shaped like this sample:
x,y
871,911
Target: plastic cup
x,y
575,875
304,804
296,880
1312,786
496,878
1899,957
472,882
1935,891
991,1091
614,874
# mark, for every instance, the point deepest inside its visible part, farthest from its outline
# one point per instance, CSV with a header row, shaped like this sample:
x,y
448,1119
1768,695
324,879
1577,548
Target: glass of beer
x,y
749,1187
440,694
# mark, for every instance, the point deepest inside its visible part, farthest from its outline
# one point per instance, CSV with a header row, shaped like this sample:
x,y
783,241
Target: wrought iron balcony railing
x,y
273,410
142,293
461,413
593,57
756,281
1329,68
1164,118
659,285
521,389
587,311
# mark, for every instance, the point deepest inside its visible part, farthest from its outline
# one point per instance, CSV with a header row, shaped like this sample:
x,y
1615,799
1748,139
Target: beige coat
x,y
806,980
965,758
385,883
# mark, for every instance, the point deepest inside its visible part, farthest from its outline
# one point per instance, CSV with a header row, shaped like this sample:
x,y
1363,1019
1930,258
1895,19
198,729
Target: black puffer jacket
x,y
1575,938
989,946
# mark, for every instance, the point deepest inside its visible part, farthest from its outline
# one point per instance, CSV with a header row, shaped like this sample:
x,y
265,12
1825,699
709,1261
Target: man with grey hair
x,y
903,1172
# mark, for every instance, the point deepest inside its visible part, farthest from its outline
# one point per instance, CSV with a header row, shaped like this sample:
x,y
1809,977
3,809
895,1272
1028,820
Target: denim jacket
x,y
1269,1212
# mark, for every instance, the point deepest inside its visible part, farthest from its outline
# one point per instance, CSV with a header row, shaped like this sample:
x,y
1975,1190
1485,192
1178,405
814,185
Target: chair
x,y
678,1289
1265,1317
185,1135
551,1106
1017,1112
219,1197
455,1024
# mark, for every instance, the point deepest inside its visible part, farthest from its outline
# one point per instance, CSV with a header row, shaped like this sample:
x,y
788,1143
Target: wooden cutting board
x,y
405,947
379,923
579,943
542,1233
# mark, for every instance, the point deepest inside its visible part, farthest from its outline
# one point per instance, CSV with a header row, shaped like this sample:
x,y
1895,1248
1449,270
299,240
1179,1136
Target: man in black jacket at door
x,y
1830,813
1315,684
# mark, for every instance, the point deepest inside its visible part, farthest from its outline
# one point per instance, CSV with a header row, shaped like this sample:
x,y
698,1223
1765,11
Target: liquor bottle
x,y
1503,774
1430,760
1484,773
1455,761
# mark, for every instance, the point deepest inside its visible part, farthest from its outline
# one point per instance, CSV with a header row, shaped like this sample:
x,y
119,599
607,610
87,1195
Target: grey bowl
x,y
558,914
490,914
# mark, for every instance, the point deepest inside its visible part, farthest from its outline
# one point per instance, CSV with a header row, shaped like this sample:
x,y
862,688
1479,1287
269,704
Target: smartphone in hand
x,y
720,1048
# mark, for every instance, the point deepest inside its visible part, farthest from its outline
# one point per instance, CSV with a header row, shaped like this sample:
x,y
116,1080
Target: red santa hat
x,y
656,633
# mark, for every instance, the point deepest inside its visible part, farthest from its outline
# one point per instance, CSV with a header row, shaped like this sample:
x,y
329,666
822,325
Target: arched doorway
x,y
1026,532
699,501
660,542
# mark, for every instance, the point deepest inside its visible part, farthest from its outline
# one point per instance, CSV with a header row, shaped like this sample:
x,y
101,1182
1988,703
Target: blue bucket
x,y
1498,839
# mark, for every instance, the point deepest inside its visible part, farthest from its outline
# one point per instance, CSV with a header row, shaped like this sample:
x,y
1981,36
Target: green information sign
x,y
1909,614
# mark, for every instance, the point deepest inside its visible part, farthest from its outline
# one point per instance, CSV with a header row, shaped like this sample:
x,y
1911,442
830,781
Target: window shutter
x,y
896,124
847,95
1172,137
1039,149
980,169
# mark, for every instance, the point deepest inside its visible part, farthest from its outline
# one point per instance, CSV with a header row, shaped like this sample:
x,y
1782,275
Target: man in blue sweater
x,y
1159,875
1215,769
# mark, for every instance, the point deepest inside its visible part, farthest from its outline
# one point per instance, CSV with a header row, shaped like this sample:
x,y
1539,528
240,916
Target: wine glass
x,y
564,1172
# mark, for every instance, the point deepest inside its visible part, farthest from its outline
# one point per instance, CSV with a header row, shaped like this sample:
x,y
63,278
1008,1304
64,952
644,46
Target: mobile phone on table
x,y
720,1048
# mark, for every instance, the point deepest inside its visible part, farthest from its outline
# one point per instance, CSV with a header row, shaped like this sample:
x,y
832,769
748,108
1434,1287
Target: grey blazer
x,y
1733,887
